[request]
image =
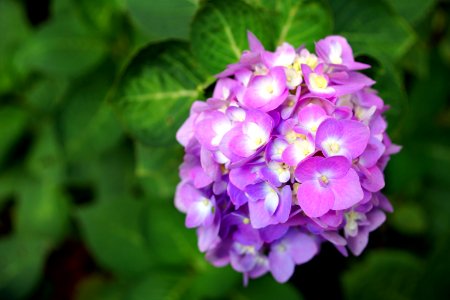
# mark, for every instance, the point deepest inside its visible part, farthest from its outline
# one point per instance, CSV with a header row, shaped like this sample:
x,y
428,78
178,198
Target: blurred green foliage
x,y
92,93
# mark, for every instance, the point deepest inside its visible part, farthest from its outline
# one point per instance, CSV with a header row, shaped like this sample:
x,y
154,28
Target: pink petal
x,y
334,167
356,136
307,169
347,190
314,199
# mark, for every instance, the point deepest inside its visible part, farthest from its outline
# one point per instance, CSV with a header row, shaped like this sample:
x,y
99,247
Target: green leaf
x,y
157,168
219,32
386,274
42,211
12,124
161,19
21,264
87,122
8,184
267,288
438,209
412,10
409,218
97,287
371,28
214,282
46,93
434,280
105,15
161,285
62,47
15,31
155,92
171,242
45,160
113,233
390,87
300,23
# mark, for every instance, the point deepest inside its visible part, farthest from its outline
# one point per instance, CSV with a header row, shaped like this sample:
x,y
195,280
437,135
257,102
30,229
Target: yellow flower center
x,y
324,179
318,81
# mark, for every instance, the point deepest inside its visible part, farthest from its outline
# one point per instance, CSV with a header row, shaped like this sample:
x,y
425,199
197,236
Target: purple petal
x,y
302,247
281,265
259,217
185,195
374,179
225,88
314,199
273,232
342,137
266,92
212,128
334,237
208,236
285,205
200,213
311,116
271,203
259,190
283,56
253,42
237,197
376,218
298,151
358,243
275,149
347,190
372,153
335,50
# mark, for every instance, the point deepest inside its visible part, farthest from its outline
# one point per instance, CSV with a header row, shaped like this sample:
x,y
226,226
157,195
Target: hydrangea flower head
x,y
287,154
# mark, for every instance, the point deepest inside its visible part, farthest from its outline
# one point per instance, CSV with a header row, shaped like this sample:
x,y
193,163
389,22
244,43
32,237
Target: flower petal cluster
x,y
288,153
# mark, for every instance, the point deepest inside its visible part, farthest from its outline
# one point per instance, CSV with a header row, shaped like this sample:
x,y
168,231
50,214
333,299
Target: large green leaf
x,y
45,160
371,28
412,10
161,285
219,32
64,46
171,243
14,30
387,274
45,93
300,22
161,19
267,288
13,121
98,287
21,264
215,283
157,168
88,124
113,233
42,210
156,90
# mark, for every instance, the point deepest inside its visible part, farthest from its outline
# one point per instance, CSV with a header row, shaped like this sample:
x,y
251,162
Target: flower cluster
x,y
288,152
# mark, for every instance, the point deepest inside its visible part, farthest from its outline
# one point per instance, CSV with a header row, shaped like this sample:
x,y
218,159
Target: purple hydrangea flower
x,y
288,153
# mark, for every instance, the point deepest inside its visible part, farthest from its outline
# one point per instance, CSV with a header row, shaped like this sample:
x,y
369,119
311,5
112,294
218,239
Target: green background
x,y
92,93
